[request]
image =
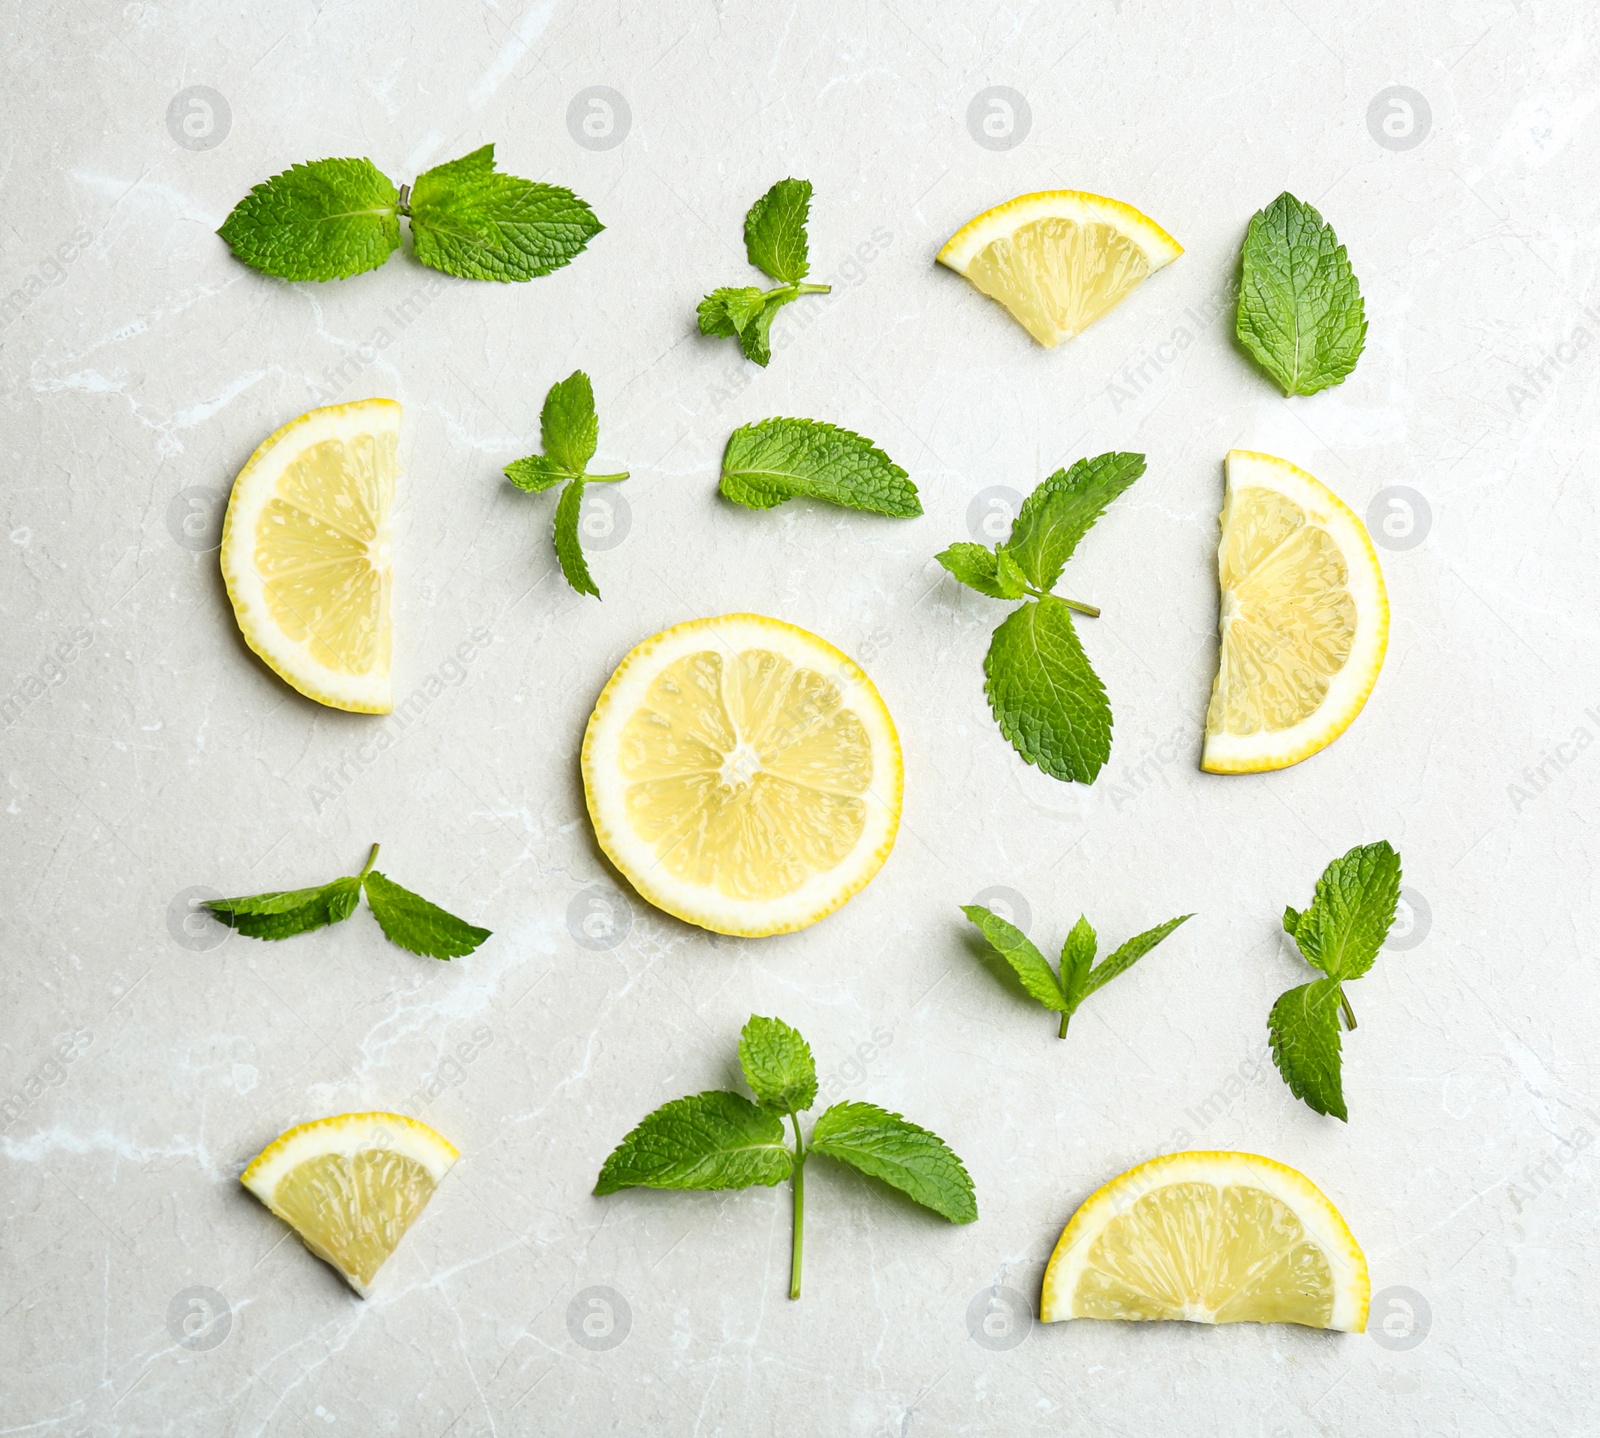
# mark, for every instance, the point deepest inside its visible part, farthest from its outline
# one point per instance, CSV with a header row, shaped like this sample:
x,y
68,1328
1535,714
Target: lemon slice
x,y
305,552
1060,259
351,1186
743,774
1304,619
1210,1238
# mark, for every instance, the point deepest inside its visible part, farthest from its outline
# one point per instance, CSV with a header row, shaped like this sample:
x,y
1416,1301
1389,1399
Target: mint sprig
x,y
407,919
330,219
776,459
1079,975
775,242
1340,934
1301,315
720,1140
569,430
1044,693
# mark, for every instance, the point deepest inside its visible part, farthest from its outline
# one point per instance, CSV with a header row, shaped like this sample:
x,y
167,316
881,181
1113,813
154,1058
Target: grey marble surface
x,y
147,755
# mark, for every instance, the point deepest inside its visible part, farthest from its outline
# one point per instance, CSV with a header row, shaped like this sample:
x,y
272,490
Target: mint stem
x,y
403,204
800,289
1064,1017
1082,608
799,1208
372,859
605,478
1349,1013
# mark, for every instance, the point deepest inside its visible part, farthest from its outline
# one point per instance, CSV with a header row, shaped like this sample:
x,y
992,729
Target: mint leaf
x,y
755,338
413,923
1304,1028
790,457
286,912
1129,954
777,1065
536,473
1018,950
569,545
886,1147
775,231
569,429
1077,958
1045,697
1352,912
975,566
1063,509
1301,315
326,220
727,311
469,220
707,1141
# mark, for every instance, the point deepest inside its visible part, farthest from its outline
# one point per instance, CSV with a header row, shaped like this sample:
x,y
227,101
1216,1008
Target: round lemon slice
x,y
1304,621
1210,1238
1059,259
305,552
743,774
351,1186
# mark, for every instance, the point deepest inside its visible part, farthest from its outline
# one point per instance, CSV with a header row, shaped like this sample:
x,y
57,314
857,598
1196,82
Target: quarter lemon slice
x,y
1059,259
743,774
1304,621
305,552
1210,1238
351,1186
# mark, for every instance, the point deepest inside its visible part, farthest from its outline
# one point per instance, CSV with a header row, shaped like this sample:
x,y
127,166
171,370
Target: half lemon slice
x,y
1059,259
1210,1238
305,552
351,1186
1304,621
743,774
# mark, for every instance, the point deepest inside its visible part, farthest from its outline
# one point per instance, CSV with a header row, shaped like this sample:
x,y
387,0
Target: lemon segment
x,y
743,774
1304,618
351,1186
306,554
1059,259
1209,1238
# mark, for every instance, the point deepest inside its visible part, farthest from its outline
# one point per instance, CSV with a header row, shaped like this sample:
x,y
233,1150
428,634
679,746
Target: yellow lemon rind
x,y
1003,220
1262,751
1323,1223
347,1134
252,489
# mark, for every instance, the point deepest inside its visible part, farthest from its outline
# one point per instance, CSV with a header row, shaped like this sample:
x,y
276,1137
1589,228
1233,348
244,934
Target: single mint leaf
x,y
536,473
341,897
750,494
755,338
568,426
1063,509
885,1146
1291,920
467,219
1077,957
286,912
1301,315
569,546
1018,950
777,1065
326,220
1304,1027
727,311
775,231
1046,698
1129,954
1352,912
413,923
1009,575
794,457
975,566
708,1140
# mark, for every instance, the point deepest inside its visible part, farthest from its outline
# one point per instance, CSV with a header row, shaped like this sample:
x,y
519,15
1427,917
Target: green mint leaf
x,y
1129,954
1077,957
1018,950
1046,698
1063,509
1301,315
1304,1027
775,231
1352,912
569,546
708,1140
755,338
975,566
886,1147
326,220
790,457
467,219
727,311
536,473
1009,575
777,1065
414,924
568,426
286,912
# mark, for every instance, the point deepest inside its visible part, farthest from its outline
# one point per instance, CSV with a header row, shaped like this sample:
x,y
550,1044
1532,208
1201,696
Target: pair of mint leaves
x,y
330,219
407,919
720,1140
775,242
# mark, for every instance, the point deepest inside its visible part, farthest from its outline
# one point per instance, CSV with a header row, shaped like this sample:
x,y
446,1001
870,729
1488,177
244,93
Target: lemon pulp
x,y
352,1210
